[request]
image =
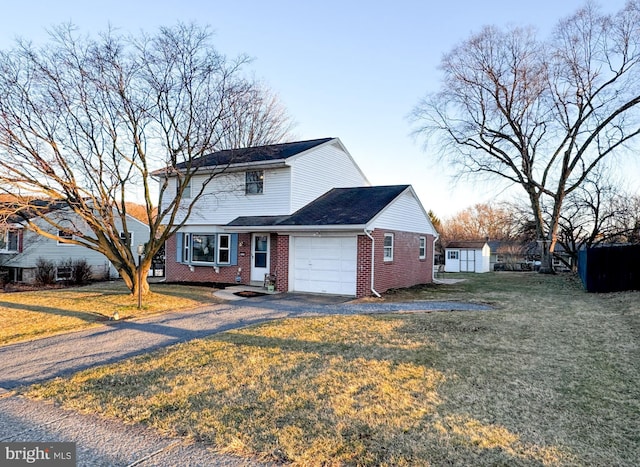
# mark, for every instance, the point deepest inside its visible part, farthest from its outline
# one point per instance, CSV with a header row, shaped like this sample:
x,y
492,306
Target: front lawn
x,y
28,315
551,377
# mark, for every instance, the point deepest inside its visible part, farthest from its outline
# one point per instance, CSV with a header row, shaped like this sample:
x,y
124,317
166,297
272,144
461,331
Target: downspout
x,y
373,263
433,267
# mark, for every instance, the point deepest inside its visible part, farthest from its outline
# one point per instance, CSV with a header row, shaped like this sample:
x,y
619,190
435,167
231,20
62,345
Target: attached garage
x,y
323,264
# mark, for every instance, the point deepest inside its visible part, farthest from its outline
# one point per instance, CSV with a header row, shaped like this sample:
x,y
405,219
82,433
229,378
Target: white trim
x,y
422,239
384,247
219,249
257,274
284,229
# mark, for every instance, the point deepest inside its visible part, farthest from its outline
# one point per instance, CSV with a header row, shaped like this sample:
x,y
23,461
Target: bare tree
x,y
540,114
259,118
597,212
498,222
86,121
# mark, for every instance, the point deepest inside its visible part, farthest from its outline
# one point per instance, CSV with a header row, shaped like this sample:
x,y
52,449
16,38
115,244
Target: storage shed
x,y
467,257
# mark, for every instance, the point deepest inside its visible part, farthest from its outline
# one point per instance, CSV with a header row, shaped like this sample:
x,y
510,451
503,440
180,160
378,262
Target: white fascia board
x,y
286,229
219,169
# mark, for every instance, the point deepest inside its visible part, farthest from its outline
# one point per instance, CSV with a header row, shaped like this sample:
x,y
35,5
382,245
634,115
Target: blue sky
x,y
351,69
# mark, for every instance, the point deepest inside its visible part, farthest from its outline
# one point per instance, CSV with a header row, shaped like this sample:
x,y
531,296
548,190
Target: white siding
x,y
35,246
319,170
404,214
225,197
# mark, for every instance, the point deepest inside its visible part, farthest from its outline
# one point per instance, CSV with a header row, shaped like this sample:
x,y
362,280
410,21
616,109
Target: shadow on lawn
x,y
90,317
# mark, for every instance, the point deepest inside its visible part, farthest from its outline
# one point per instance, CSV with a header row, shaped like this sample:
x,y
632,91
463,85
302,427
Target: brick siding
x,y
406,269
178,272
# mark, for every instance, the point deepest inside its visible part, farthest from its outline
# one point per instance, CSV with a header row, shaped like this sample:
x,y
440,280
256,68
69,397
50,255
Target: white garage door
x,y
325,265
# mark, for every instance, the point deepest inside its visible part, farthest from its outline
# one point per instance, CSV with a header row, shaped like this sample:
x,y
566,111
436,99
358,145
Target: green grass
x,y
29,315
551,377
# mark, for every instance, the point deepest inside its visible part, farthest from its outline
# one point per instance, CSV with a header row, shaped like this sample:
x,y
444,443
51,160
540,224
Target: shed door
x,y
467,260
325,265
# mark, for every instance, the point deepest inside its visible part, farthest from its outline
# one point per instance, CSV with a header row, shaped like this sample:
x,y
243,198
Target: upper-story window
x,y
127,238
186,192
254,182
9,240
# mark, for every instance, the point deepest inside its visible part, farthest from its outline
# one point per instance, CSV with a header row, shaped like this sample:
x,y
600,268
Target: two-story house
x,y
304,213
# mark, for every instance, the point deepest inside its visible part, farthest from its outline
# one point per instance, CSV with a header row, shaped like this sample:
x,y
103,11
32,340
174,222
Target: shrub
x,y
81,272
45,271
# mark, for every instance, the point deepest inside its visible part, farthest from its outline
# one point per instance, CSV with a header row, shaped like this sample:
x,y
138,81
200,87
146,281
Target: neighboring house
x,y
22,248
467,257
523,256
304,215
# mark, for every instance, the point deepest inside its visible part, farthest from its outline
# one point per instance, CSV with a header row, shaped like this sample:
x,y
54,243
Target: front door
x,y
259,256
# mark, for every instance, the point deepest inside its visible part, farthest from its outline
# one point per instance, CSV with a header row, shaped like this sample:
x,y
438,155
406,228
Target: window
x,y
186,192
186,244
64,235
254,182
203,248
9,240
207,249
127,237
388,247
64,273
452,254
224,248
423,248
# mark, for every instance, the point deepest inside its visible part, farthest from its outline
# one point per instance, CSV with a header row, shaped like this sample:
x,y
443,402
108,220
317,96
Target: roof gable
x,y
339,206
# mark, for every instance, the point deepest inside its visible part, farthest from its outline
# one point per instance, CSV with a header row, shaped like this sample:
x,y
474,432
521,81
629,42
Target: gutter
x,y
373,264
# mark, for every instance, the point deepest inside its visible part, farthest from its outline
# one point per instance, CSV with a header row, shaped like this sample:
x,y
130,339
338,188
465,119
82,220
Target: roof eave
x,y
294,228
221,168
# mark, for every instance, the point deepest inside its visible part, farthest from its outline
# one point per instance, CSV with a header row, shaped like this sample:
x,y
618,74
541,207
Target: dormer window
x,y
254,182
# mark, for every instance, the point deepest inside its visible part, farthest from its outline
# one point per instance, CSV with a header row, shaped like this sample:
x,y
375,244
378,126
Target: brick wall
x,y
280,262
406,268
363,275
177,272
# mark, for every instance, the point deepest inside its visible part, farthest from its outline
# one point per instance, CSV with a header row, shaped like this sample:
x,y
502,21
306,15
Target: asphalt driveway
x,y
44,359
111,443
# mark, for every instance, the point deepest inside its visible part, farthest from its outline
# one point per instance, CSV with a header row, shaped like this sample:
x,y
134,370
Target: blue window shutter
x,y
233,254
179,247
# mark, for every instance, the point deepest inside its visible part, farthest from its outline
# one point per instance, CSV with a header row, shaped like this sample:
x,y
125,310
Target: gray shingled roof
x,y
466,245
267,153
339,206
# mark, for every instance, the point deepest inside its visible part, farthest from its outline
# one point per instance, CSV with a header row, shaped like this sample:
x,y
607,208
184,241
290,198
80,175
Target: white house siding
x,y
225,198
404,214
319,170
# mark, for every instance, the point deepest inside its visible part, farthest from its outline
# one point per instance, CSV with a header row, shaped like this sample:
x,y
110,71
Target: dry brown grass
x,y
28,315
549,378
